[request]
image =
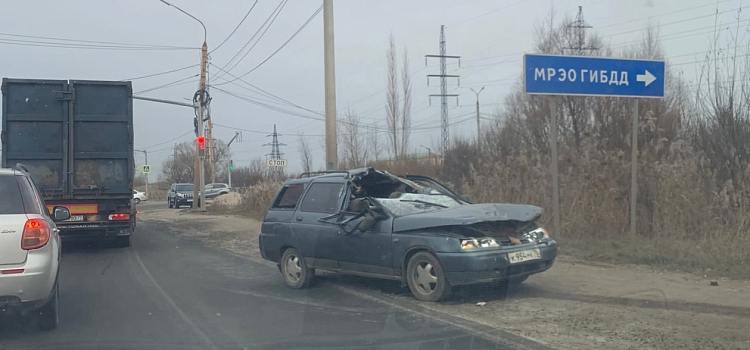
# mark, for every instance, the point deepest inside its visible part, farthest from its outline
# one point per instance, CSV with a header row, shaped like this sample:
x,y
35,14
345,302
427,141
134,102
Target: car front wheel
x,y
48,315
294,269
426,279
137,201
169,203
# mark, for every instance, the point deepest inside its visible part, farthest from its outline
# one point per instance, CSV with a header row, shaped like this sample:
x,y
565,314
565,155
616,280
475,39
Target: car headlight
x,y
538,234
474,243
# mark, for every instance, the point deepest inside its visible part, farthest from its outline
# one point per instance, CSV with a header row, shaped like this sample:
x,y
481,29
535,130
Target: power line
x,y
162,73
168,141
174,83
280,47
110,44
271,18
237,27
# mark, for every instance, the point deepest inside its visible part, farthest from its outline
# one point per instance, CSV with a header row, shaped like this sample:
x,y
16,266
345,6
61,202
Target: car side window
x,y
289,196
323,198
33,203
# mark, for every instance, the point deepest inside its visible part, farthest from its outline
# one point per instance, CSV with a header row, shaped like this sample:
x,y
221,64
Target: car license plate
x,y
75,218
524,255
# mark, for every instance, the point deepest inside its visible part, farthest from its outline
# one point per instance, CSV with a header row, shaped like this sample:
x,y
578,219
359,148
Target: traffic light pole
x,y
199,192
229,156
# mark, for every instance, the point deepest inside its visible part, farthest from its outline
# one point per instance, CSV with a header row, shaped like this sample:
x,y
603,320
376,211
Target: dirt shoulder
x,y
574,305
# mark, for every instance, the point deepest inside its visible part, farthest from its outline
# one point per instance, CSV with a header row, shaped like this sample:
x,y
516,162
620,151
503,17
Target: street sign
x,y
594,76
146,169
276,163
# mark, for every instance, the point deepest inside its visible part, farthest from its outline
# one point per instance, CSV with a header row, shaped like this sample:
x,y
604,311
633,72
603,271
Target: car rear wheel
x,y
294,269
137,201
48,315
426,279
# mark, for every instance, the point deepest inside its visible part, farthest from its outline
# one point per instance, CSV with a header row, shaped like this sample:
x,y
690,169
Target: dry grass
x,y
254,202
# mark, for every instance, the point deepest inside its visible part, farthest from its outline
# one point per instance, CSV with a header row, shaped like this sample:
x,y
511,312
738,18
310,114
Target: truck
x,y
75,139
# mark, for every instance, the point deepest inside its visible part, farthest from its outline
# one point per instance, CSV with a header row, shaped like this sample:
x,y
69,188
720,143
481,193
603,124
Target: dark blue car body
x,y
326,241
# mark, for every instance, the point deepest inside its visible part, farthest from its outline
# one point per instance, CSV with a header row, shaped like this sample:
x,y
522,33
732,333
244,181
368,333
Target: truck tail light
x,y
35,234
119,216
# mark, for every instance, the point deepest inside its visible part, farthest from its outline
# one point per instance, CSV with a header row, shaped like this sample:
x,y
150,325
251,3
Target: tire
x,y
515,281
48,314
122,241
294,270
169,203
137,201
426,279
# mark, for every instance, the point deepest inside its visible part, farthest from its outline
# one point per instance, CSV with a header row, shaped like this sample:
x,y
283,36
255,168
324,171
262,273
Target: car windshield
x,y
184,188
411,203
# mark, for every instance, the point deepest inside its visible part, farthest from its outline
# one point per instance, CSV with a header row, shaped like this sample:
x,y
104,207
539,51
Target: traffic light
x,y
202,143
231,165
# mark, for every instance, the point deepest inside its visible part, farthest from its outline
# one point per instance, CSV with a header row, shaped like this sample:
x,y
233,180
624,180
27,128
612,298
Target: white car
x,y
28,271
139,196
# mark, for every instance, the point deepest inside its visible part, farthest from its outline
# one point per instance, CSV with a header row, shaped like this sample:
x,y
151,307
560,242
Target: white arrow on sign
x,y
647,78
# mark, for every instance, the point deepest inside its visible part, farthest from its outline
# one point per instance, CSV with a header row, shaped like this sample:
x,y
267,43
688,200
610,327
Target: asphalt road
x,y
167,292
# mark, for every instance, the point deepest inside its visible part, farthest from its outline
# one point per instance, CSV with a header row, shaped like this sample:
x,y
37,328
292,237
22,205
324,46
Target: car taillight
x,y
35,234
12,272
119,216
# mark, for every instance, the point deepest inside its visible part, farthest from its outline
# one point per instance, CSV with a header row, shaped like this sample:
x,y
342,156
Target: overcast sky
x,y
490,35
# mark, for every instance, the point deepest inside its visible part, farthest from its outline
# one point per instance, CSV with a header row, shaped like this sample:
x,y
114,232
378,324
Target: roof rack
x,y
21,167
317,173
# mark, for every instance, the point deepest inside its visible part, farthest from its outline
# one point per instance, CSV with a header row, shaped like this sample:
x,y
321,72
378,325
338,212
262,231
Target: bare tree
x,y
353,141
305,153
392,99
406,112
373,143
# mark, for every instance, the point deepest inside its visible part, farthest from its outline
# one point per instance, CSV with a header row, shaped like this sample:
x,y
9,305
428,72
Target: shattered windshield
x,y
412,203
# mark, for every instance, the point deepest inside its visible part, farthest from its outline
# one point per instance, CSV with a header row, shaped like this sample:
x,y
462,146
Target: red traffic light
x,y
202,142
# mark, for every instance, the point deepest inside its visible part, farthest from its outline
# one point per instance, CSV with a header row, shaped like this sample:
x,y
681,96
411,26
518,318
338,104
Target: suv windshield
x,y
184,188
412,203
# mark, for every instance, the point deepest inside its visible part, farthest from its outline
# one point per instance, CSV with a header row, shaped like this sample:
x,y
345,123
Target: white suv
x,y
29,249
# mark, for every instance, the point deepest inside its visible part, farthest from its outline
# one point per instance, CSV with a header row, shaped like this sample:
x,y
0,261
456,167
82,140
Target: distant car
x,y
139,196
179,195
218,189
29,249
410,229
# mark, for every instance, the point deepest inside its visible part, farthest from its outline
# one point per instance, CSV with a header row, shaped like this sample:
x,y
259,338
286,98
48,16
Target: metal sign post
x,y
593,76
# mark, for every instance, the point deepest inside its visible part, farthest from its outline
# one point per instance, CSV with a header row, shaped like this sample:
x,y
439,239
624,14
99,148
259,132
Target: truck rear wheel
x,y
122,241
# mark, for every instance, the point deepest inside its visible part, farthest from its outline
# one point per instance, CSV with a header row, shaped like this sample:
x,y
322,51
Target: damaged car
x,y
406,228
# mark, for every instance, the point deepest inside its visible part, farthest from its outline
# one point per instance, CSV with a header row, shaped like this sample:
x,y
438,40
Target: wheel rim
x,y
425,278
293,269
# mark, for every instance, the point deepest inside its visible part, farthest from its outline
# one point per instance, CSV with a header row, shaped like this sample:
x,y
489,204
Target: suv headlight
x,y
474,243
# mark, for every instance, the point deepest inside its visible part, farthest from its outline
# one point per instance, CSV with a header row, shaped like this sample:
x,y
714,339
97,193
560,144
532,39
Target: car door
x,y
369,252
275,230
318,241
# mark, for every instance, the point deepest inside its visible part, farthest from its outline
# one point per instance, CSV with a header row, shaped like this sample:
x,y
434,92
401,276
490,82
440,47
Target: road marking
x,y
171,302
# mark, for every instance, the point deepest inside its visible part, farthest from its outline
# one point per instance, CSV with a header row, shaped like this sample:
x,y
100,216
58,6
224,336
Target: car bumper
x,y
493,265
93,230
32,288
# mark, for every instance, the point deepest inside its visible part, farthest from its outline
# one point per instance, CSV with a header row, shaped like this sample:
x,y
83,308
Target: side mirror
x,y
60,214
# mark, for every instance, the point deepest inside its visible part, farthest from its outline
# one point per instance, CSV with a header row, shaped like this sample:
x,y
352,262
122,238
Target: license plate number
x,y
75,218
524,255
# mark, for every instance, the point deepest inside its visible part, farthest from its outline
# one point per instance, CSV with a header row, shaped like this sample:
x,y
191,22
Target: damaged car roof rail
x,y
317,173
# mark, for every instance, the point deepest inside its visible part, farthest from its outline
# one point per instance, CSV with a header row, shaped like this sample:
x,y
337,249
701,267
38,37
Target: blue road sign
x,y
595,76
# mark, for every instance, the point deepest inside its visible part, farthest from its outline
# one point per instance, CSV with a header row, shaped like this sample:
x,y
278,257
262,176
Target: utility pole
x,y
211,147
275,149
201,99
479,133
443,88
229,155
580,26
330,88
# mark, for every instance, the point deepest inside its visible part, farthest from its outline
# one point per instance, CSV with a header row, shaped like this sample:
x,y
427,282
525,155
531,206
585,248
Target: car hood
x,y
467,215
